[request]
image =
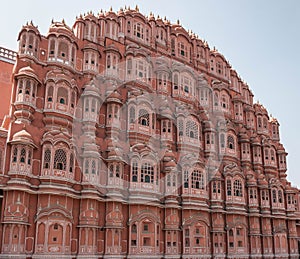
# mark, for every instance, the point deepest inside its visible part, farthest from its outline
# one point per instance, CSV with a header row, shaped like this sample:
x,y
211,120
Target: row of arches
x,y
145,236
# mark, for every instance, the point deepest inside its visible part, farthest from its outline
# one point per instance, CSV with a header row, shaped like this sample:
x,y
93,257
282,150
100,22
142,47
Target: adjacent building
x,y
129,137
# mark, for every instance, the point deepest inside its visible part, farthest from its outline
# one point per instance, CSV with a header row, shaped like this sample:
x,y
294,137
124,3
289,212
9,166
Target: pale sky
x,y
259,38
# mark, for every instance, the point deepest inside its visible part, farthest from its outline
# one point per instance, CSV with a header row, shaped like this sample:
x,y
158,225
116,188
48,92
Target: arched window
x,y
117,171
47,158
86,30
180,127
274,196
134,172
280,197
86,166
267,153
71,163
129,67
143,117
164,126
93,167
52,48
273,156
222,140
111,171
237,188
216,99
63,50
15,155
265,123
192,129
87,105
62,95
259,122
20,86
73,100
50,94
93,109
109,110
174,181
197,180
265,195
175,82
134,228
229,187
28,87
230,142
186,179
147,173
60,159
108,62
29,158
224,101
214,187
132,114
22,155
115,62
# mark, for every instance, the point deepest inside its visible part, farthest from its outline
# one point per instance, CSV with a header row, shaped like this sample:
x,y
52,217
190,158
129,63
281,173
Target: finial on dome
x,y
165,18
178,22
52,21
63,21
125,7
110,9
137,8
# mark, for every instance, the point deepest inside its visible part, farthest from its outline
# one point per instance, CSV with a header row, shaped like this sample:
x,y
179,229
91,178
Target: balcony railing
x,y
8,55
55,173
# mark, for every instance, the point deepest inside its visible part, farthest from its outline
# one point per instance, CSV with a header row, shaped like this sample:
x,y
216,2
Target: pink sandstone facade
x,y
82,175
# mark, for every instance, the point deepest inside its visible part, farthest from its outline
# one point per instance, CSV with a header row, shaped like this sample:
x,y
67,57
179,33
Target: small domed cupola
x,y
29,39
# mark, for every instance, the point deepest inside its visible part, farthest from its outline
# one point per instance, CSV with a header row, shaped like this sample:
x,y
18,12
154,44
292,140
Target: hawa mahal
x,y
127,136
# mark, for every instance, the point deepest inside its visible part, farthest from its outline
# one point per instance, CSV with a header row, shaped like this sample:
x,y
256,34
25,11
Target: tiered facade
x,y
130,138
